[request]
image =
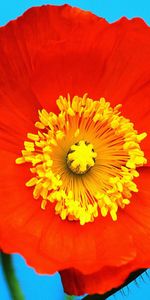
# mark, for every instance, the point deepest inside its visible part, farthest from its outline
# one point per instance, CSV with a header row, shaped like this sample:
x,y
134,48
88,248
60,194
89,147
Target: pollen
x,y
83,160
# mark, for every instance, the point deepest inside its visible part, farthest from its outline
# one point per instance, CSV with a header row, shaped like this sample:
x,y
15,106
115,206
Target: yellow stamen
x,y
88,138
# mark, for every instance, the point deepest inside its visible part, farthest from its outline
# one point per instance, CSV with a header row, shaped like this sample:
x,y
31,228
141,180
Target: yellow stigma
x,y
84,160
81,157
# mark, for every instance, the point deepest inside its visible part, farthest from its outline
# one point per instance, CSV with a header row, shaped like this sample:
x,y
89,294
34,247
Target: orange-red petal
x,y
136,224
52,51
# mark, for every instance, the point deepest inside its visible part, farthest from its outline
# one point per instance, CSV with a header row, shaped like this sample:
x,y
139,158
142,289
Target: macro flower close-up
x,y
74,145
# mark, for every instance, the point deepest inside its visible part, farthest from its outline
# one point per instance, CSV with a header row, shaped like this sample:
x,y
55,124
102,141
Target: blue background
x,y
36,287
109,9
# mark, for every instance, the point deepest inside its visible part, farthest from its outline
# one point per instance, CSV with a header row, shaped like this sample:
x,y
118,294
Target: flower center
x,y
81,157
84,160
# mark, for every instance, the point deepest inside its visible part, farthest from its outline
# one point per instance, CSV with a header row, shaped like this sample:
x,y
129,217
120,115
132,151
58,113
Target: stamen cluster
x,y
99,181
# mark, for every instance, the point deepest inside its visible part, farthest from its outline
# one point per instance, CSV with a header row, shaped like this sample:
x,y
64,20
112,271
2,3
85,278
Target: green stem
x,y
70,297
7,265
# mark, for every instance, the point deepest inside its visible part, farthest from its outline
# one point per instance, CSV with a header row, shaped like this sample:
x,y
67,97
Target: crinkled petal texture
x,y
52,51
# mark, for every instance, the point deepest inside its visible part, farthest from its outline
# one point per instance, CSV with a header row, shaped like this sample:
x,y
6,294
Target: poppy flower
x,y
74,125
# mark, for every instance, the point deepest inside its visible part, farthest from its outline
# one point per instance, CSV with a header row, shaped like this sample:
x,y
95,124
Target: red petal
x,y
16,118
75,283
136,224
69,50
22,221
138,214
48,52
86,247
